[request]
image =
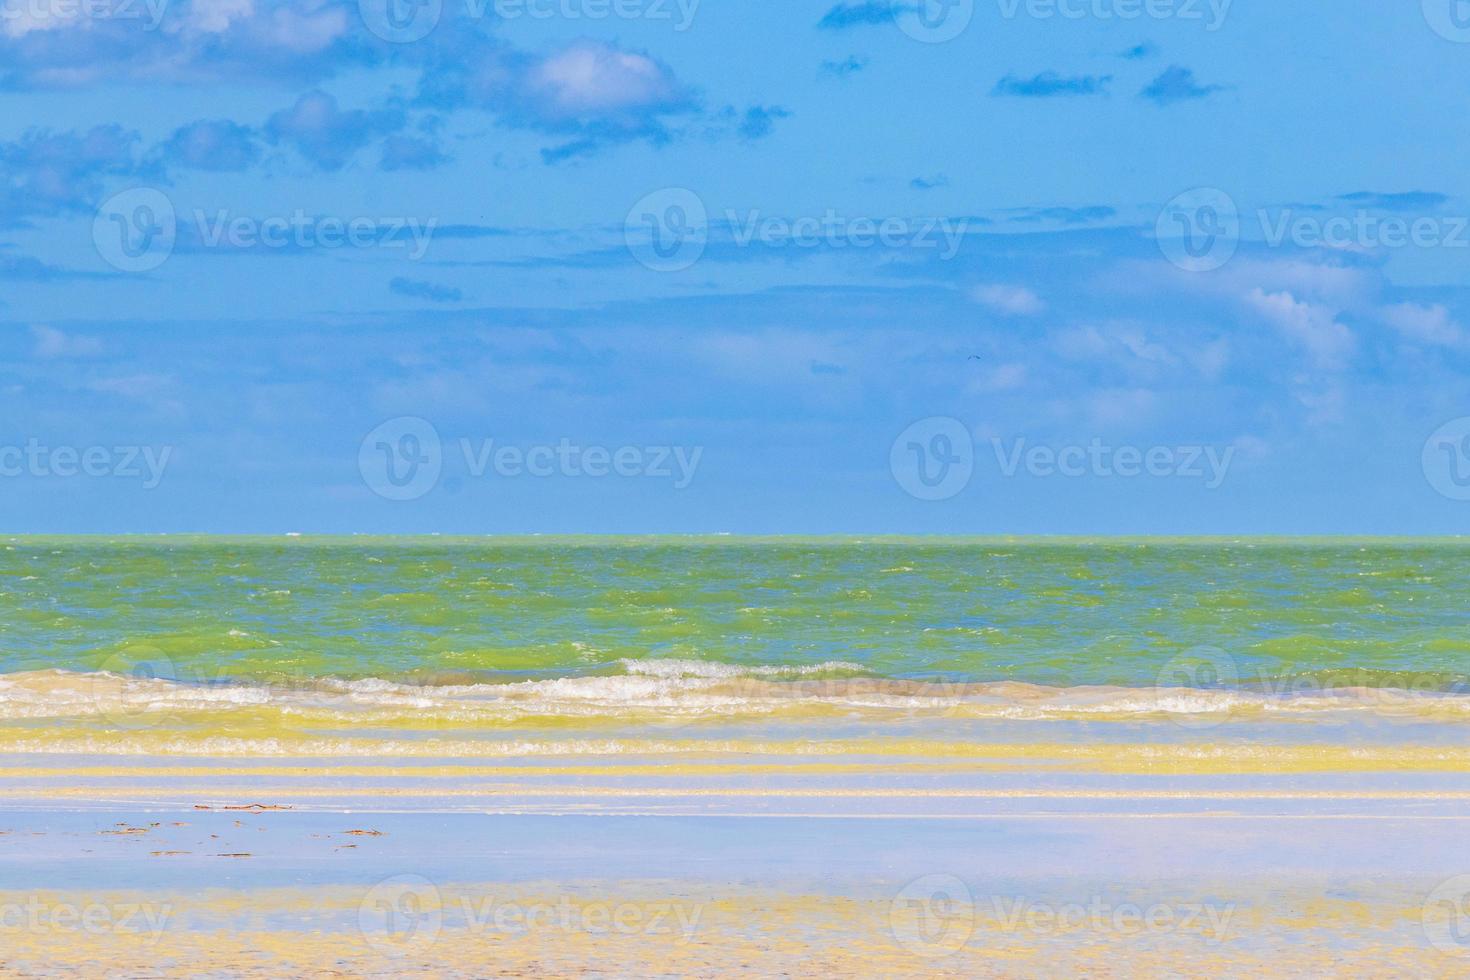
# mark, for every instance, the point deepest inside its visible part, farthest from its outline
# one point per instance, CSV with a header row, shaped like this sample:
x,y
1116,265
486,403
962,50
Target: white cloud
x,y
1425,324
1250,449
1311,326
1001,377
1135,348
1210,359
1325,405
1010,300
592,77
55,44
1120,406
216,16
52,344
769,356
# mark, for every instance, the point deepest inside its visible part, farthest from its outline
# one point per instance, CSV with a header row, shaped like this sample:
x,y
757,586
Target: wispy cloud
x,y
759,121
1431,324
419,289
27,268
1010,300
864,13
850,65
1050,84
1061,214
402,152
1177,84
1404,201
53,344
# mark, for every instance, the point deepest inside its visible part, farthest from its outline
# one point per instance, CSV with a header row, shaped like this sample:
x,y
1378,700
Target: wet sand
x,y
1012,862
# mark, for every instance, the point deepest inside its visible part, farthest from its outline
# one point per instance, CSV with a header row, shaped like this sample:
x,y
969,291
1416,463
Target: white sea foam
x,y
722,671
687,691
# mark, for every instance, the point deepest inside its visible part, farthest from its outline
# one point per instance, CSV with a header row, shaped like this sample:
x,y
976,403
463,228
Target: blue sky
x,y
758,267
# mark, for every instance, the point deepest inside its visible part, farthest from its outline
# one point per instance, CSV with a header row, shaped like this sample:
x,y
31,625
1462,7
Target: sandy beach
x,y
1001,859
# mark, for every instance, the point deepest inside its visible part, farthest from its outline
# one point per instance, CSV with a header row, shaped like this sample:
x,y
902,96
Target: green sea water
x,y
1055,612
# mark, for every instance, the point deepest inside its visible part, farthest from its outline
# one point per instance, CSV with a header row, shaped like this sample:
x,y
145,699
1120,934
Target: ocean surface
x,y
467,636
1058,613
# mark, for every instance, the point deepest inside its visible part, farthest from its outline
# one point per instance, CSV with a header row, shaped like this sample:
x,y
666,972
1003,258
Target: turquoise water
x,y
1383,613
